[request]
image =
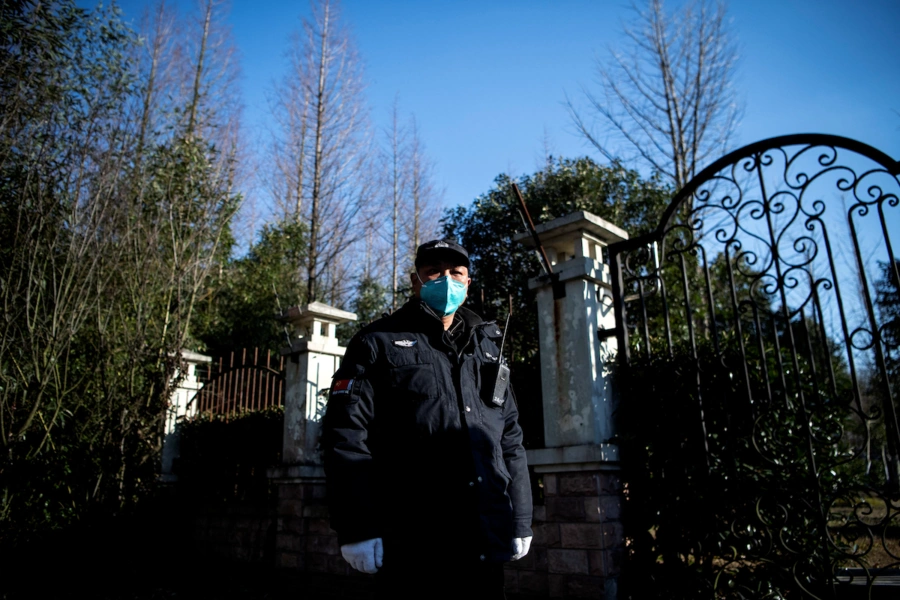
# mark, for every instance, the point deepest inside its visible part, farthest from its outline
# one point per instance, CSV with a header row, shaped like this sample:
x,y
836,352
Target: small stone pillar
x,y
181,405
314,357
304,539
579,542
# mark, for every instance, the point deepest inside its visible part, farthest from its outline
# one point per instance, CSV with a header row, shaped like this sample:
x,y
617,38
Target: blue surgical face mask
x,y
443,295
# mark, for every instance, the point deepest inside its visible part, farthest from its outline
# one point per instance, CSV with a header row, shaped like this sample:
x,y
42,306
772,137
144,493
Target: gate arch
x,y
769,295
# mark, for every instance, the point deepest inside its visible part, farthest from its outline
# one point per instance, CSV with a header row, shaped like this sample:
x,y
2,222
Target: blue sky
x,y
487,80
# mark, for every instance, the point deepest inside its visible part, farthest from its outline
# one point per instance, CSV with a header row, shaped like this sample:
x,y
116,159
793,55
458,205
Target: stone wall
x,y
304,539
236,533
305,544
577,550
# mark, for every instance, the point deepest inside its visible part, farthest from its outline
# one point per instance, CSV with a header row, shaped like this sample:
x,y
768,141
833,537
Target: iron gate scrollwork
x,y
766,309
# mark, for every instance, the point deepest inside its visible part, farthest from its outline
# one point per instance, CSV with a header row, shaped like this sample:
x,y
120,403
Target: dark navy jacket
x,y
415,451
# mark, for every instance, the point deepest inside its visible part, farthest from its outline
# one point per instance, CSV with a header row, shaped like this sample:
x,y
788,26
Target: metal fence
x,y
244,380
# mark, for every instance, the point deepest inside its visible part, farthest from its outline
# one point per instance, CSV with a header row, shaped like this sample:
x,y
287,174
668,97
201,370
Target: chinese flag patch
x,y
341,386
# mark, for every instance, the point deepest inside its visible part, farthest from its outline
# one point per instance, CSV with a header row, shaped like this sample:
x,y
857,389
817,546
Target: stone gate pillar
x,y
578,543
180,406
304,538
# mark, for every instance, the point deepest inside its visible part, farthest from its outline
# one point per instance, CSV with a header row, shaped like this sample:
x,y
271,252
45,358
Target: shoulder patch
x,y
404,343
341,386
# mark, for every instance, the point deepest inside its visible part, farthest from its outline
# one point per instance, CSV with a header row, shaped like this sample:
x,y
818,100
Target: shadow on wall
x,y
150,556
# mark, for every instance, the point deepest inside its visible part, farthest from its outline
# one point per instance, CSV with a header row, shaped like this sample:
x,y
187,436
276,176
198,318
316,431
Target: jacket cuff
x,y
358,535
522,529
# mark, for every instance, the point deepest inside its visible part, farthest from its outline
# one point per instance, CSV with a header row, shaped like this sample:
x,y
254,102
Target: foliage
x,y
242,309
224,461
744,451
501,267
717,476
109,233
370,303
884,381
49,158
888,302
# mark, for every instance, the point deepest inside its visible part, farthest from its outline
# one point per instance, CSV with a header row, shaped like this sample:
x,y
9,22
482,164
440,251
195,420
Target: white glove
x,y
521,547
367,556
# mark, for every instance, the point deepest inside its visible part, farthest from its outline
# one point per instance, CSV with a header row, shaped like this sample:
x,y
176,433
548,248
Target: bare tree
x,y
669,95
374,249
398,176
157,27
290,145
322,144
409,212
425,200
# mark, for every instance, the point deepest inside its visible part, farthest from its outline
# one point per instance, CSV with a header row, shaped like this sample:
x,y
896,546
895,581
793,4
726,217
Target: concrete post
x,y
304,539
180,406
578,541
314,357
575,374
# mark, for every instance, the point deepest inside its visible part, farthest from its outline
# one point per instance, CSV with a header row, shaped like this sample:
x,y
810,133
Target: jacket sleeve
x,y
517,466
349,469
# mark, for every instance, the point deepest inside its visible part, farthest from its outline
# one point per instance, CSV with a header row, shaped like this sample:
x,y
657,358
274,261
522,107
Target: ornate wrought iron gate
x,y
763,316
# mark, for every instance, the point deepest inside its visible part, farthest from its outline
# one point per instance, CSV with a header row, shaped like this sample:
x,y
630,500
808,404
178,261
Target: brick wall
x,y
306,545
236,533
578,545
576,552
304,539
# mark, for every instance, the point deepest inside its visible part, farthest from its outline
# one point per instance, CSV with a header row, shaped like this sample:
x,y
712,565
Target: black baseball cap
x,y
437,250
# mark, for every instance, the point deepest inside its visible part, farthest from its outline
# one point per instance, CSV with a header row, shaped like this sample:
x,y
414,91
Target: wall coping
x,y
195,357
588,457
291,473
317,310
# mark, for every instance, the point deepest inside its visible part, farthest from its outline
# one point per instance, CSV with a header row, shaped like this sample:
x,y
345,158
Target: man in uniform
x,y
426,473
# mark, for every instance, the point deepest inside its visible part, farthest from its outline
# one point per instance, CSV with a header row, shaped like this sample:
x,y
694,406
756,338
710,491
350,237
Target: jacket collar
x,y
423,314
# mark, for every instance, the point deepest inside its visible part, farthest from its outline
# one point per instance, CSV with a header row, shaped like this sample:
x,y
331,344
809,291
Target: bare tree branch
x,y
668,96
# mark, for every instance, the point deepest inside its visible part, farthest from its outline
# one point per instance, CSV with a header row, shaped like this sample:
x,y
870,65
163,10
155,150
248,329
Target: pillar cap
x,y
582,221
317,310
588,457
195,357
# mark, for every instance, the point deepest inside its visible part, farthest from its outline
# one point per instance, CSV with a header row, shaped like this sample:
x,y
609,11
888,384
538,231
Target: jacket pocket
x,y
414,382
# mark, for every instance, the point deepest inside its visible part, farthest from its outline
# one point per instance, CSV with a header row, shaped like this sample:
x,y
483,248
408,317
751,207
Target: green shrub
x,y
225,461
722,500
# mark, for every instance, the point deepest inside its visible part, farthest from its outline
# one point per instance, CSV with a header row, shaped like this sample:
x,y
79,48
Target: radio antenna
x,y
506,326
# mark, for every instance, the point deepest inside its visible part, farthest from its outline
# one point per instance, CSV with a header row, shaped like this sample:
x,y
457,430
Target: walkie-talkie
x,y
498,373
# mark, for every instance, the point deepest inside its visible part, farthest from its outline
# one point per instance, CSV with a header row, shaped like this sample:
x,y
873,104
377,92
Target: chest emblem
x,y
490,356
405,343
